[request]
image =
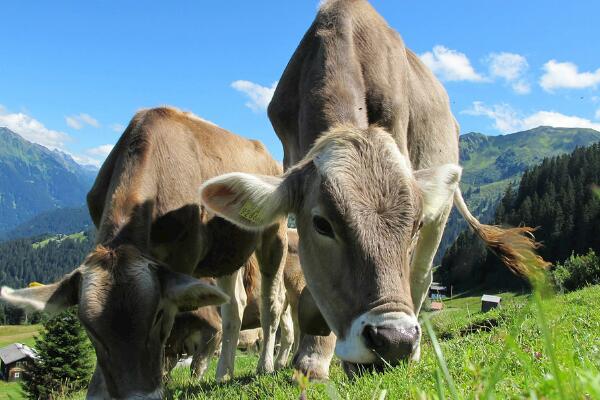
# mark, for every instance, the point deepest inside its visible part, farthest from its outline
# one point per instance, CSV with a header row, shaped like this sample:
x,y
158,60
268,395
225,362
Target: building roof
x,y
490,298
15,352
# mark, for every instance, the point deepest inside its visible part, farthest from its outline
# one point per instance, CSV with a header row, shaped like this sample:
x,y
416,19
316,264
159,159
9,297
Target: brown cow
x,y
198,333
371,152
152,235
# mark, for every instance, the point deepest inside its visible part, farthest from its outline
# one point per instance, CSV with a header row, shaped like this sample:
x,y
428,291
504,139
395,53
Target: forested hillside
x,y
43,259
58,221
559,196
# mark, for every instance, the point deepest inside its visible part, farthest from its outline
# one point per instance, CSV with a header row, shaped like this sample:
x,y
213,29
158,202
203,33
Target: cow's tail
x,y
516,247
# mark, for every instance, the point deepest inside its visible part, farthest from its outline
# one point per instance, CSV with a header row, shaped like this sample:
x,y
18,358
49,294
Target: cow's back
x,y
160,161
352,68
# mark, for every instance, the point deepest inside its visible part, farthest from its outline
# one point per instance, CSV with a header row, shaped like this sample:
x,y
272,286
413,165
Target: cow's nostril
x,y
372,339
392,343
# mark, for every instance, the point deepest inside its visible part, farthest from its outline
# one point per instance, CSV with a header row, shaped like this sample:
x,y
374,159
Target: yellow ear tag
x,y
251,212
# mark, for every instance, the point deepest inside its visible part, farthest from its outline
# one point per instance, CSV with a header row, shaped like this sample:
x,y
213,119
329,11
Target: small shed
x,y
14,360
488,302
436,306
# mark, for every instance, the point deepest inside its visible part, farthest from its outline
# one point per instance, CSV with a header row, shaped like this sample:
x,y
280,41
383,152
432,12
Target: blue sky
x,y
72,74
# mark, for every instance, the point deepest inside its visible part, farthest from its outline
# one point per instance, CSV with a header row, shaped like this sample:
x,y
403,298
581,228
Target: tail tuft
x,y
516,247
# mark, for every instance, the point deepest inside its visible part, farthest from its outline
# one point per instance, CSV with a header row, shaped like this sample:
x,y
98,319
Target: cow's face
x,y
127,304
359,209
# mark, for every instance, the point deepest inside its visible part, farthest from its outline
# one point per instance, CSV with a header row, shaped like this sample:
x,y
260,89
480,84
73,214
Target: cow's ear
x,y
249,201
437,187
310,319
51,298
188,293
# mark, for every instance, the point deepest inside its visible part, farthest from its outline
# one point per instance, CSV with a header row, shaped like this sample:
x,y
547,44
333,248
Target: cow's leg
x,y
211,340
231,314
421,272
97,389
314,355
286,338
271,253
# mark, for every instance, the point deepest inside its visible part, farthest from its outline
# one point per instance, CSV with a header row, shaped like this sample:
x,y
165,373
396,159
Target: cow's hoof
x,y
313,369
265,368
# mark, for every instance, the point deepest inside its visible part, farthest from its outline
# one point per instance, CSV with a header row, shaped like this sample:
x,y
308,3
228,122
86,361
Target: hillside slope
x,y
34,179
491,163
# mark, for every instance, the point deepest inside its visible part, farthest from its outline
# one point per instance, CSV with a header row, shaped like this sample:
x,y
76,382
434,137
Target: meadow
x,y
534,347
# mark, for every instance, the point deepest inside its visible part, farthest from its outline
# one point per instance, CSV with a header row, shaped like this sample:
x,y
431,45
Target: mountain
x,y
560,196
34,180
57,221
491,163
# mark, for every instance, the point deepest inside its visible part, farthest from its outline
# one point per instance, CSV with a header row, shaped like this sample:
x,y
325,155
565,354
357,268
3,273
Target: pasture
x,y
530,348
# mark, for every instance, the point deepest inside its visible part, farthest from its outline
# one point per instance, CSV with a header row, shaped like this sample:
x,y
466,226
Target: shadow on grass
x,y
207,386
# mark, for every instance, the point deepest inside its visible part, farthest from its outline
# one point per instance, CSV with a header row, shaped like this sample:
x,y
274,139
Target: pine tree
x,y
65,361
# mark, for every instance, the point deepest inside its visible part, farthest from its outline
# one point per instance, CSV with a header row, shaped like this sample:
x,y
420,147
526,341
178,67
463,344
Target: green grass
x,y
10,391
18,334
530,348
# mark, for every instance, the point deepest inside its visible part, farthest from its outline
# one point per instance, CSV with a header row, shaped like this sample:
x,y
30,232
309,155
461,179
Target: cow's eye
x,y
322,226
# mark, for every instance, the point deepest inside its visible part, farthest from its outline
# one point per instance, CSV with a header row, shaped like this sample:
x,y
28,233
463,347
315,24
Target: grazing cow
x,y
371,153
198,333
153,235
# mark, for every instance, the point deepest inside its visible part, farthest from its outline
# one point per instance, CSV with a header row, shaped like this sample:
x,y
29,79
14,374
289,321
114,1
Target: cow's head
x,y
127,304
359,208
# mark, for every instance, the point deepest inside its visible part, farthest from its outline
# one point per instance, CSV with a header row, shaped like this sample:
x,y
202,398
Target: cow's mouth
x,y
356,370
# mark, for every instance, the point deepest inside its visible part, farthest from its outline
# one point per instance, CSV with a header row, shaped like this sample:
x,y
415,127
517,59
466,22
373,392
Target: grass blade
x,y
440,359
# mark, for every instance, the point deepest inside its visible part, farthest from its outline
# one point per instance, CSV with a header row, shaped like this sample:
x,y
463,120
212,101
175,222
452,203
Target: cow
x,y
371,159
153,236
198,333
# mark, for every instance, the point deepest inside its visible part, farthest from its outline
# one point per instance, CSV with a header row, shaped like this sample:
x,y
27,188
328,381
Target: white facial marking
x,y
352,347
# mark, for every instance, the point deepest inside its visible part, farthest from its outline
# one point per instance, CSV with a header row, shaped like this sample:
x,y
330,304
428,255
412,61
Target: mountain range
x,y
35,180
43,191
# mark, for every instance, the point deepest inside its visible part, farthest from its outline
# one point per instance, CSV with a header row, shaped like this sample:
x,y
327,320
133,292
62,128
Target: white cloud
x,y
101,151
77,122
450,65
510,67
597,115
119,128
521,87
508,120
260,96
566,75
33,130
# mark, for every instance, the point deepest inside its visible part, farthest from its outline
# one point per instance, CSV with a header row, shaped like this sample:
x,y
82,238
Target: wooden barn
x,y
14,360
